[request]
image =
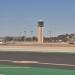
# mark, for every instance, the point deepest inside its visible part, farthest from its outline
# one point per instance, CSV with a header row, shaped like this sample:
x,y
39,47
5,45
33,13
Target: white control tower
x,y
40,31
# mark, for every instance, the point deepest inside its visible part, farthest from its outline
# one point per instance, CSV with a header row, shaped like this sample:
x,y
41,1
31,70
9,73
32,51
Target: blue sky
x,y
17,16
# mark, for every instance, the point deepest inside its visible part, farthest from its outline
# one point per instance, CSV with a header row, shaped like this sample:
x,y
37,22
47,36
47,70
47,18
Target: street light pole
x,y
24,35
31,35
50,37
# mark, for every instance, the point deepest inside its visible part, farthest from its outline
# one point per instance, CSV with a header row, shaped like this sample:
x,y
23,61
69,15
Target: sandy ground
x,y
39,48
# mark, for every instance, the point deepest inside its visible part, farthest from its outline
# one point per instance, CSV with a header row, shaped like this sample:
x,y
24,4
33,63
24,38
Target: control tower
x,y
40,30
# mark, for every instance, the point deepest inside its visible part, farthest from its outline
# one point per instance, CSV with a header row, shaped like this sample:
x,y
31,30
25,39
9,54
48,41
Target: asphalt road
x,y
58,58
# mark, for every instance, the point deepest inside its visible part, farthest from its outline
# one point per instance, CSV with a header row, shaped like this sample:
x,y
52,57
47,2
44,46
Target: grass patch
x,y
33,71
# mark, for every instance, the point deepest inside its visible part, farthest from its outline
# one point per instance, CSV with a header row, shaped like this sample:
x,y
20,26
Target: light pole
x,y
50,37
24,35
20,37
31,35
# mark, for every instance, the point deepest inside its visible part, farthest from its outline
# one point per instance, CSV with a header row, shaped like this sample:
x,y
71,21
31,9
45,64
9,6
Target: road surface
x,y
49,60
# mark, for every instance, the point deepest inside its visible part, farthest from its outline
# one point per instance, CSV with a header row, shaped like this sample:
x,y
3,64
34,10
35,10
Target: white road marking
x,y
5,60
55,64
25,62
15,67
37,62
